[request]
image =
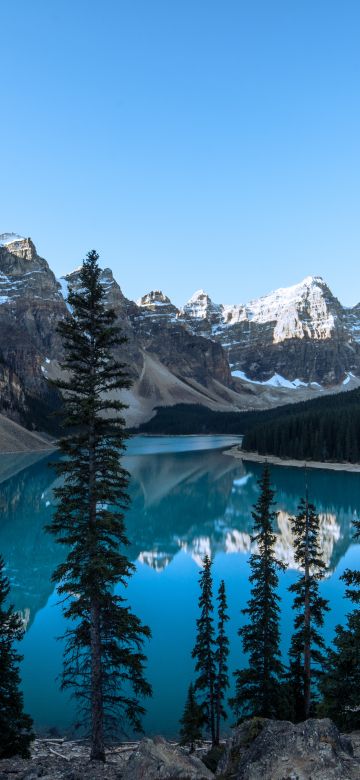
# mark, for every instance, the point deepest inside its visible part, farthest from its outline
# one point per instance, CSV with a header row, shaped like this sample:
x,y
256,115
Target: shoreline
x,y
255,457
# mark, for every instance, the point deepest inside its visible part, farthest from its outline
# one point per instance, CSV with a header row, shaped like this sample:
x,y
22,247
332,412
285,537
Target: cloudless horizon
x,y
193,143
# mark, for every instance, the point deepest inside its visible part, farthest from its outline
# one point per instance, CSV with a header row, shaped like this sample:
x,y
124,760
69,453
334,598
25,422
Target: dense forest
x,y
327,429
195,418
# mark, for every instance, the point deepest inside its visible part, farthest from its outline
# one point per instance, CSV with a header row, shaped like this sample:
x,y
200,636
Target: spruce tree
x,y
340,682
352,576
221,656
16,732
204,650
307,642
258,687
191,721
103,660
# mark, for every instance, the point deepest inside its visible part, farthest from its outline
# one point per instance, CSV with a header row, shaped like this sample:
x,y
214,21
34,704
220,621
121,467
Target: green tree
x,y
340,682
16,732
307,642
204,650
103,660
221,656
258,688
191,721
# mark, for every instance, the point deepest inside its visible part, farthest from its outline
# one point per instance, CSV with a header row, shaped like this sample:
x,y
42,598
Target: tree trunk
x,y
97,702
307,624
97,708
211,699
218,701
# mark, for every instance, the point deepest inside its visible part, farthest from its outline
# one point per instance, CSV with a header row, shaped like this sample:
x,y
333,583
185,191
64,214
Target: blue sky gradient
x,y
194,143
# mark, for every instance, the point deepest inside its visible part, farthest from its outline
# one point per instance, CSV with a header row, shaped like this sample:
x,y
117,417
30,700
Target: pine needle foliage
x,y
258,687
204,649
16,732
352,576
340,683
191,721
307,644
103,659
221,658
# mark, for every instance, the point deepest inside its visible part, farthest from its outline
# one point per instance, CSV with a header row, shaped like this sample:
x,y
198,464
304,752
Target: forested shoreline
x,y
327,429
324,429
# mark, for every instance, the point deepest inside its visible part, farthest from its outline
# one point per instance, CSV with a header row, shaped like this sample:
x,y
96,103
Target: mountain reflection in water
x,y
184,504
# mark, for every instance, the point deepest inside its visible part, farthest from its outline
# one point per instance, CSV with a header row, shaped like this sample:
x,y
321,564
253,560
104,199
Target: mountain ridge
x,y
286,346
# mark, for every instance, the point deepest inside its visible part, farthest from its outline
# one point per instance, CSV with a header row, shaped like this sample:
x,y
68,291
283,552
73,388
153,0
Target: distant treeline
x,y
194,418
187,419
324,429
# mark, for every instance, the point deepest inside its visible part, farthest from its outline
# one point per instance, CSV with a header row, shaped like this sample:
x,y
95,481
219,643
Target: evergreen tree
x,y
103,661
16,732
307,642
221,656
258,688
340,683
191,721
352,576
204,650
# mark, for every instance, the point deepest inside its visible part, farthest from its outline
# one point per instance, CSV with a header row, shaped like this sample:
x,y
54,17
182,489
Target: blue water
x,y
188,498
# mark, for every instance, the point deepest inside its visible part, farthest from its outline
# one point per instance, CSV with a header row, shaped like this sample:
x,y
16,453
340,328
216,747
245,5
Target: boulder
x,y
157,759
279,750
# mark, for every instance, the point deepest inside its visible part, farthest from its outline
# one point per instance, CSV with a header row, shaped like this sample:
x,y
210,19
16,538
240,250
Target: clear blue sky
x,y
193,143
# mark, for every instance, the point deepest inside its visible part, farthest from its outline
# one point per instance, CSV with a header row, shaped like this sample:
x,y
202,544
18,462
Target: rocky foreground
x,y
257,750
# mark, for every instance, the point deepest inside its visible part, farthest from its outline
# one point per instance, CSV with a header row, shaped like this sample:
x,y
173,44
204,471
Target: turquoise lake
x,y
188,499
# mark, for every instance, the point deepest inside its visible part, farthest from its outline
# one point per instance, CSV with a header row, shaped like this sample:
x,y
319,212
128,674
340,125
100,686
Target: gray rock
x,y
279,750
156,759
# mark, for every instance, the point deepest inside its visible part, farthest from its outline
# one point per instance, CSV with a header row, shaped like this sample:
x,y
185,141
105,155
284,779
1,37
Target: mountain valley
x,y
288,346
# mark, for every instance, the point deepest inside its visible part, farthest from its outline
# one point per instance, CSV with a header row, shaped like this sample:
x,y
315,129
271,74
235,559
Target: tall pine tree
x,y
16,732
204,650
258,688
340,682
104,660
307,642
221,656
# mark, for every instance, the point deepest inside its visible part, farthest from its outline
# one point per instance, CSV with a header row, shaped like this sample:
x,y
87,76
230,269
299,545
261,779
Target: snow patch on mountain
x,y
276,381
64,284
9,238
201,307
297,311
154,298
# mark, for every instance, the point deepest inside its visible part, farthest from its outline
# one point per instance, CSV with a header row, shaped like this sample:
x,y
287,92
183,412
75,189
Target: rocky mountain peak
x,y
201,307
154,298
15,246
156,302
10,238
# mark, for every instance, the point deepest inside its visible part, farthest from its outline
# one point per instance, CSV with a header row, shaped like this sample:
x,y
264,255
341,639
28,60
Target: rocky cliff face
x,y
31,304
224,357
300,332
167,362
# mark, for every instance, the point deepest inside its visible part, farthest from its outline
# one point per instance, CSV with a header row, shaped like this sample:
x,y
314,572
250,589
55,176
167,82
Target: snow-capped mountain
x,y
201,308
168,363
155,302
10,238
301,333
288,345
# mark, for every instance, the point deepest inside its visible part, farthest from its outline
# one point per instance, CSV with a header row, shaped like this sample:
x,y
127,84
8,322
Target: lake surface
x,y
185,503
